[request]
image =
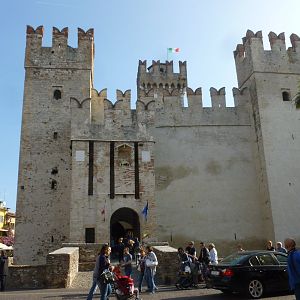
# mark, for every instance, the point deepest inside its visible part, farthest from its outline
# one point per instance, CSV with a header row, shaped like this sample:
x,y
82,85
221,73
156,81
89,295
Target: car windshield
x,y
234,259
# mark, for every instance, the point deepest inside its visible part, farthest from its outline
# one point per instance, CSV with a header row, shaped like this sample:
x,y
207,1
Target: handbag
x,y
107,276
138,267
150,263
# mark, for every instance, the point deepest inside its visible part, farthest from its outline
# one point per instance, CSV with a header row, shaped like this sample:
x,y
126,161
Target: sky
x,y
206,32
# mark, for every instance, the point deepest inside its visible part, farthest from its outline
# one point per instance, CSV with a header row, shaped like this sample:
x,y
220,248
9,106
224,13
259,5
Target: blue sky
x,y
125,31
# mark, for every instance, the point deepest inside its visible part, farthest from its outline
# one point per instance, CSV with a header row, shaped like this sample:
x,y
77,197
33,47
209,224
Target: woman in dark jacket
x,y
104,264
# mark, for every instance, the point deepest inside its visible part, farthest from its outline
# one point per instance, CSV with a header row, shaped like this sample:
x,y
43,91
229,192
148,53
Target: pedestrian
x,y
120,249
279,248
127,262
95,279
150,262
191,250
102,263
3,270
270,246
204,260
184,259
131,248
293,266
136,249
213,254
141,268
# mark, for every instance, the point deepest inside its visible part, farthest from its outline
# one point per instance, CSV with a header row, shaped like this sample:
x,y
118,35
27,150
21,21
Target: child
x,y
127,262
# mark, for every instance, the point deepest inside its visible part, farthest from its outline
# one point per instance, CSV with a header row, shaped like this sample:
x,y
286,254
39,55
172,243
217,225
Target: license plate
x,y
216,273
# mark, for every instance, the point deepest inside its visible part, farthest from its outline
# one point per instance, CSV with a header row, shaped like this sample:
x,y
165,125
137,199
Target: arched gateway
x,y
123,220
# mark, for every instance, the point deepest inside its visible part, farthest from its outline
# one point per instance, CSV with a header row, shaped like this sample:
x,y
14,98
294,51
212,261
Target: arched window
x,y
57,94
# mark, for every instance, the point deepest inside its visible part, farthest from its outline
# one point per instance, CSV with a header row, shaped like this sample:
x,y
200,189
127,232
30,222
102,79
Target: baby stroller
x,y
124,287
185,279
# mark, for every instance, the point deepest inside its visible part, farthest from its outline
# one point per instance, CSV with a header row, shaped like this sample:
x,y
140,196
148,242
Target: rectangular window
x,y
90,235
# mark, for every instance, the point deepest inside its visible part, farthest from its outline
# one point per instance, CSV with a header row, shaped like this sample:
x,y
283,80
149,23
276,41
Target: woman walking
x,y
102,264
150,270
141,268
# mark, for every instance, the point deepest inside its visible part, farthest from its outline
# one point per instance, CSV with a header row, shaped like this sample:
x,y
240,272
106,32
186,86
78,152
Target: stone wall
x,y
269,74
53,75
87,254
58,272
168,264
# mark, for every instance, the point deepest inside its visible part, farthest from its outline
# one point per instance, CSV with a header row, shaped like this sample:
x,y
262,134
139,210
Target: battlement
x,y
251,56
166,109
59,54
160,75
159,69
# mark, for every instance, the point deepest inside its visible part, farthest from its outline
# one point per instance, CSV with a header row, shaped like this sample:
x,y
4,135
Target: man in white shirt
x,y
213,254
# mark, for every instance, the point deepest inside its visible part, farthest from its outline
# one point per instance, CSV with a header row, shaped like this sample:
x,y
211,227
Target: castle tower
x,y
160,75
52,75
272,78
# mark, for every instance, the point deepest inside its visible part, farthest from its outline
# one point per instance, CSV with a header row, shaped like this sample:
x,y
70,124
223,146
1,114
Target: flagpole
x,y
167,54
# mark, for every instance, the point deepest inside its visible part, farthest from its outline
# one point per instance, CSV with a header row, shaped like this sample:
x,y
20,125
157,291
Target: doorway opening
x,y
124,221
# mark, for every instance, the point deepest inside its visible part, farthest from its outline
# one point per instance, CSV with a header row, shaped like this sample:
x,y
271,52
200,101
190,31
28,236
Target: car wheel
x,y
255,289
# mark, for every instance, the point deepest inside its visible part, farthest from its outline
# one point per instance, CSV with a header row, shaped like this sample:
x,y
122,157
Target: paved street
x,y
164,293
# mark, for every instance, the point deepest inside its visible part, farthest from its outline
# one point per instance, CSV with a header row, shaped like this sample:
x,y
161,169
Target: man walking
x,y
293,266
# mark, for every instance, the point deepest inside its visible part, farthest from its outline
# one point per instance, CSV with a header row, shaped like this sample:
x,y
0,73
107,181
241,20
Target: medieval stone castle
x,y
89,165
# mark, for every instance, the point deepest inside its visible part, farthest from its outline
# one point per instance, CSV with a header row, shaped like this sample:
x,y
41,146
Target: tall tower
x,y
272,78
160,75
52,75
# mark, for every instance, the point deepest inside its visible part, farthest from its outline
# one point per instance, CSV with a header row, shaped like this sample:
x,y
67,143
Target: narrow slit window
x,y
53,184
57,94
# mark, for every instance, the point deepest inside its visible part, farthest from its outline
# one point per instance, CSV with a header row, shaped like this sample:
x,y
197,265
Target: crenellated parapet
x,y
251,56
218,98
160,76
60,38
163,109
59,55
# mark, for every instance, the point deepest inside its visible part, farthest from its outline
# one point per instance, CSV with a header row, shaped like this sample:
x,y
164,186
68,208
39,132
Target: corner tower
x,y
52,75
272,77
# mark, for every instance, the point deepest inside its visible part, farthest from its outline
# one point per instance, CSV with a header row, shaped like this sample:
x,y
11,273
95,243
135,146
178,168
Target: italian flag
x,y
173,50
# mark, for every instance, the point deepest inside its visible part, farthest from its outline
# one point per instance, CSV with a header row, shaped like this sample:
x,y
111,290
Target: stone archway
x,y
123,220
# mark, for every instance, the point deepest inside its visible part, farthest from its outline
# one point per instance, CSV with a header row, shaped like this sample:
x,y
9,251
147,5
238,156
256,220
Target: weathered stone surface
x,y
59,271
217,174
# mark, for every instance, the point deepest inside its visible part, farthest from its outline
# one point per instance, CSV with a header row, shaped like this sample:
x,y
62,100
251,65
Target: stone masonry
x,y
89,165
